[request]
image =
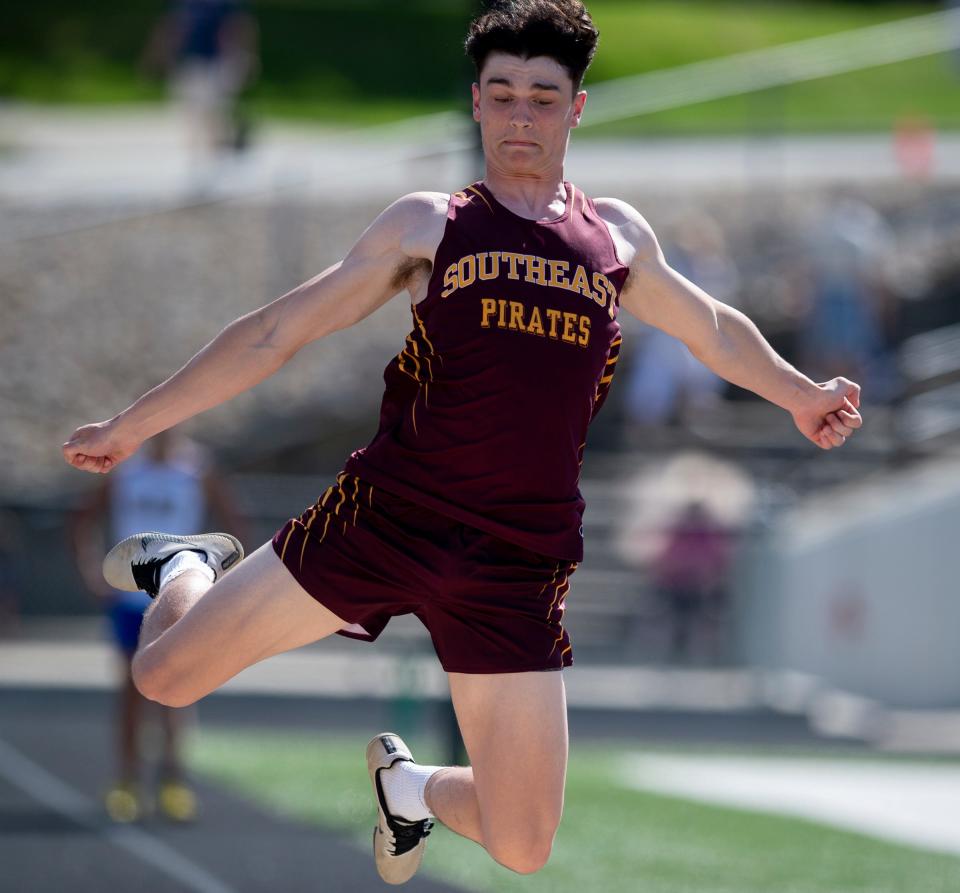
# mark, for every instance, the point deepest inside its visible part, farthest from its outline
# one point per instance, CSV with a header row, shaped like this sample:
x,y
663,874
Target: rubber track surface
x,y
238,846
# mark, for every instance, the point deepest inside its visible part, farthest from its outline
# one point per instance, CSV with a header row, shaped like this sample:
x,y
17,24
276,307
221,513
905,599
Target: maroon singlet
x,y
512,352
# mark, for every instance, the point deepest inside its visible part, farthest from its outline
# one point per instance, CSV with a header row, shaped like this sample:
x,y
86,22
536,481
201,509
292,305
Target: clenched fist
x,y
830,415
99,448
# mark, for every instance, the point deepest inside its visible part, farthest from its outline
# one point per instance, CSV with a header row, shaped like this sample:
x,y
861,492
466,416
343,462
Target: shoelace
x,y
407,836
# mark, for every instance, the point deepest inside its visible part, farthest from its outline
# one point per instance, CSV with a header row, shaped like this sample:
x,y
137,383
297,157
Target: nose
x,y
521,115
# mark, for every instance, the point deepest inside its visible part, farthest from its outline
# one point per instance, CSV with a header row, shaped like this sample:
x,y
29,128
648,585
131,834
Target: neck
x,y
533,195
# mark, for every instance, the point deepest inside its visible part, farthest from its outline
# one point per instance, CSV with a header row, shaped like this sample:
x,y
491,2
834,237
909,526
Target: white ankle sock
x,y
184,561
403,786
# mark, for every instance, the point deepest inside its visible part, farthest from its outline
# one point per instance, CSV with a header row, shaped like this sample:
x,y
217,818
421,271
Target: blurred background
x,y
767,686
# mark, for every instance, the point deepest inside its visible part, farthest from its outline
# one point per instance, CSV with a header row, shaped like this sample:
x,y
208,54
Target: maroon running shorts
x,y
368,555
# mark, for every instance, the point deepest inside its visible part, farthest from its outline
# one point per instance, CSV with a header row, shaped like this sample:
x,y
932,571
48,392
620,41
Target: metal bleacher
x,y
928,408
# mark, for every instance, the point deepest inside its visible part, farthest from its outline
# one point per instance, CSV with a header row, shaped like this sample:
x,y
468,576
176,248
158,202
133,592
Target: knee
x,y
148,677
524,853
144,675
154,681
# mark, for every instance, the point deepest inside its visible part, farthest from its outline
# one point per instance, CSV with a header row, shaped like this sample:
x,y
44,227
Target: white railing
x,y
790,63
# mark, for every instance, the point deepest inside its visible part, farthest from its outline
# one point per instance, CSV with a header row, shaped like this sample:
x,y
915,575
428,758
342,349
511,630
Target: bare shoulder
x,y
419,220
632,234
409,233
404,235
420,207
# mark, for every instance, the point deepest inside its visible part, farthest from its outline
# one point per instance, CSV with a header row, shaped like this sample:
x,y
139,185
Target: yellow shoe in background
x,y
123,803
177,801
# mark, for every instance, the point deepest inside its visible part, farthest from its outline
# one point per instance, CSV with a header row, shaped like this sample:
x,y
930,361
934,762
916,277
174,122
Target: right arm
x,y
255,346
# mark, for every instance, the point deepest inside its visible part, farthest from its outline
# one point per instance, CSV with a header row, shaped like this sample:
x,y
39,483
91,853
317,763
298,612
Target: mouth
x,y
527,144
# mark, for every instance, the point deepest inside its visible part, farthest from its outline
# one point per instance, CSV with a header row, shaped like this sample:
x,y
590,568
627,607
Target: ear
x,y
476,101
579,101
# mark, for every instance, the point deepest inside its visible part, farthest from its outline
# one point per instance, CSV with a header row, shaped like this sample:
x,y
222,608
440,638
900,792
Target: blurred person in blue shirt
x,y
170,487
665,378
844,327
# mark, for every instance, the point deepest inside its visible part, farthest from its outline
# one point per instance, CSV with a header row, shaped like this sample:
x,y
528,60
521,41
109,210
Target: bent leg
x,y
196,635
510,800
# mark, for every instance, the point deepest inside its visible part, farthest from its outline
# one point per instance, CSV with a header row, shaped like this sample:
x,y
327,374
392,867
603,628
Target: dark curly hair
x,y
560,29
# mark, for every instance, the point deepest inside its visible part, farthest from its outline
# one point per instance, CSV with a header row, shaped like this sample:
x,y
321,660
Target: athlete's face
x,y
525,108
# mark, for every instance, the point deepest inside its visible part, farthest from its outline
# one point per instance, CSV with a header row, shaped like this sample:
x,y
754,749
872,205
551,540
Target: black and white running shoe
x,y
134,564
397,844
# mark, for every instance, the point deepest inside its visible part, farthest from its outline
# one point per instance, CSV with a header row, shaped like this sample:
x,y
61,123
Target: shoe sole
x,y
392,869
116,564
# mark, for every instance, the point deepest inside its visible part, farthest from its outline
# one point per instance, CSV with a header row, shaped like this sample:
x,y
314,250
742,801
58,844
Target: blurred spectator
x,y
168,486
209,51
665,378
682,519
690,574
842,333
914,144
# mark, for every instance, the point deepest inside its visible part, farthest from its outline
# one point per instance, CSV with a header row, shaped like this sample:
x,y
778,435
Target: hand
x,y
831,414
99,448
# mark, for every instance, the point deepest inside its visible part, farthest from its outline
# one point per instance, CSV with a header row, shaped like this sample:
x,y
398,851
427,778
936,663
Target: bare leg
x,y
510,800
122,800
176,799
197,636
172,720
171,604
130,705
452,798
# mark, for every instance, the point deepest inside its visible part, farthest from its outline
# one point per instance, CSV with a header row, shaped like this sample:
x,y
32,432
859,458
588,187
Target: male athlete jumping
x,y
464,509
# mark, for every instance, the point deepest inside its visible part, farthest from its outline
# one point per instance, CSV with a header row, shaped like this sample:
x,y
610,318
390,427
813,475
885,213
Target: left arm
x,y
723,338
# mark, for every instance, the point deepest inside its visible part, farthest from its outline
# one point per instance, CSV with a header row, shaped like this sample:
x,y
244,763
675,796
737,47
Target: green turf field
x,y
612,839
322,61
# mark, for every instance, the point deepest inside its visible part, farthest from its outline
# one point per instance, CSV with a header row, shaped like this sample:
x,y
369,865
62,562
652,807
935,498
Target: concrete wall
x,y
861,587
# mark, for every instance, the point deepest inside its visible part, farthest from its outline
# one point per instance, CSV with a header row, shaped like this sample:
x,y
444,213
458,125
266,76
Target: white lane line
x,y
913,804
788,63
55,794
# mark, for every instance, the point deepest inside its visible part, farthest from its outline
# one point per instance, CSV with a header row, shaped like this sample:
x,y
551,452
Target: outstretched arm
x,y
724,339
255,346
